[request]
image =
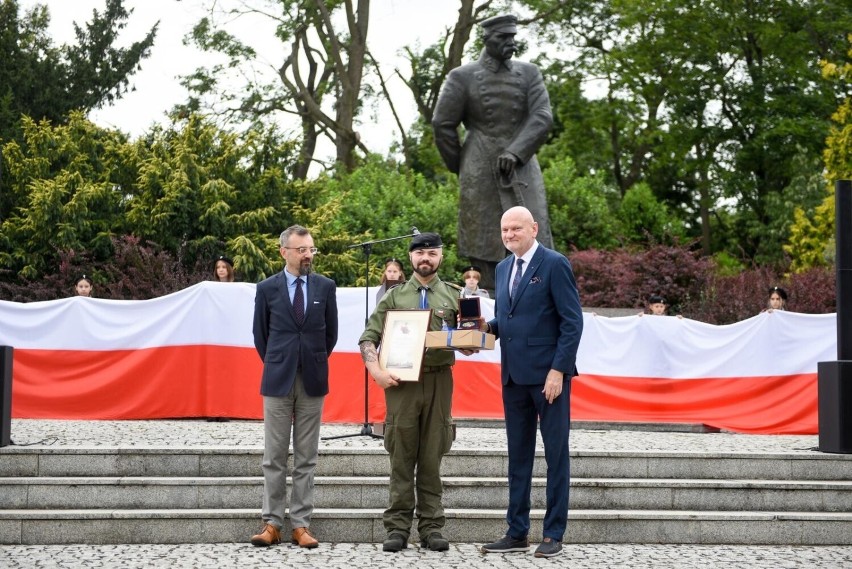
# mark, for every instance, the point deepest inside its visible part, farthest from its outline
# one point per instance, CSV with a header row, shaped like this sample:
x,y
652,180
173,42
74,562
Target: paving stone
x,y
246,437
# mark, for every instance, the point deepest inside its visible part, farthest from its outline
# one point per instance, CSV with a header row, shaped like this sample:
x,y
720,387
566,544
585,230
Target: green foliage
x,y
645,220
324,54
44,81
195,191
579,208
201,187
811,242
806,191
67,186
726,265
381,200
709,103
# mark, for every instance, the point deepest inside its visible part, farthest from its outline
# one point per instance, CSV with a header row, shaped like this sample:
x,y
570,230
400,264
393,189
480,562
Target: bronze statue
x,y
505,110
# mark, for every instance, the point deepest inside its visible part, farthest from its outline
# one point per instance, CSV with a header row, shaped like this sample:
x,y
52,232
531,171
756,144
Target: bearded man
x,y
418,424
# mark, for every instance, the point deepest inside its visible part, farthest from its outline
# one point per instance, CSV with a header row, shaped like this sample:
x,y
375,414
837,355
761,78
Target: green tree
x,y
382,199
645,220
320,61
811,242
44,81
581,210
706,102
68,182
193,191
201,189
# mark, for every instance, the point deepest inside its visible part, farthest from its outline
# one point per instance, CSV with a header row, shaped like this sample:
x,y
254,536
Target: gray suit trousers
x,y
302,414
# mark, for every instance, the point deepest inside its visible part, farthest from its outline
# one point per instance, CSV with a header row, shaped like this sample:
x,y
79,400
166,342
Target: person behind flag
x,y
777,299
84,286
223,269
392,276
471,278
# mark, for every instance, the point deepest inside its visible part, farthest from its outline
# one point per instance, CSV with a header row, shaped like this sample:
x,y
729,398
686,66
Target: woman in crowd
x,y
223,270
471,279
391,276
777,299
83,286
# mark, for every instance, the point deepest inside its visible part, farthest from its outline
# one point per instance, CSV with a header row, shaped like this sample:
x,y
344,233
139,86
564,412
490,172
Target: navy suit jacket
x,y
540,328
284,346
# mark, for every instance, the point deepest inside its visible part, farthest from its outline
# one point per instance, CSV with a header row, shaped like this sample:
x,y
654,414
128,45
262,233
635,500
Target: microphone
x,y
415,231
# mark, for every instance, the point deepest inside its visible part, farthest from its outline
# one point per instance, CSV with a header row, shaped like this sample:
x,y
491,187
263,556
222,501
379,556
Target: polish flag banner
x,y
191,354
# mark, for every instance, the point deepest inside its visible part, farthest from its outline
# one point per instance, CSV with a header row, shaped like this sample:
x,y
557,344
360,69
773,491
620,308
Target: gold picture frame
x,y
404,342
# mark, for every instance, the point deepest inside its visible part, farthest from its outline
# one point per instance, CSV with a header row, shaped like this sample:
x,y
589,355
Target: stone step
x,y
44,527
229,461
123,493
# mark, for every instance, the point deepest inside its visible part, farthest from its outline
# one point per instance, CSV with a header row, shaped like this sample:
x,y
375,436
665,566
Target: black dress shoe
x,y
395,542
548,548
506,544
436,542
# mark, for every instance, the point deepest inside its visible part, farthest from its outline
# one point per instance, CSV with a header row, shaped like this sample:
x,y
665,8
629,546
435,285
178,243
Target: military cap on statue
x,y
507,24
425,241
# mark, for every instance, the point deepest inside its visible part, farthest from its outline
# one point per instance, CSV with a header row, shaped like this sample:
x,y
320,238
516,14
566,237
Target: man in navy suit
x,y
295,330
539,322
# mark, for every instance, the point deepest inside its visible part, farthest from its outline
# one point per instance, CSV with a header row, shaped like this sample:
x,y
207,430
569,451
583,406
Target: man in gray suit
x,y
506,114
295,330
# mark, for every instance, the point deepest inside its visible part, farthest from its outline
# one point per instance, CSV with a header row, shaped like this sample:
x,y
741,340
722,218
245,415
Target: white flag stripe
x,y
209,313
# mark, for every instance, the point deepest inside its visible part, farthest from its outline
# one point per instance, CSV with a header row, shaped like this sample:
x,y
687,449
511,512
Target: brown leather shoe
x,y
303,537
269,536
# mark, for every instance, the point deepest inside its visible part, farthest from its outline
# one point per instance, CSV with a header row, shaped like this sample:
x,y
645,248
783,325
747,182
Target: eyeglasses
x,y
303,250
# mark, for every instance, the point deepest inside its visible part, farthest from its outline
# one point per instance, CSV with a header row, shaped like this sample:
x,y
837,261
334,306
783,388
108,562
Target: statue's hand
x,y
506,163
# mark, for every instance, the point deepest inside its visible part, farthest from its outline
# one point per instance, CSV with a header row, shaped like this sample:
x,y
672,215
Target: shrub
x,y
623,278
728,299
135,270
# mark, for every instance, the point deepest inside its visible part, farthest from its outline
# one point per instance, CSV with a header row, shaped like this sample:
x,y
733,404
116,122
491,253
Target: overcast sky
x,y
393,24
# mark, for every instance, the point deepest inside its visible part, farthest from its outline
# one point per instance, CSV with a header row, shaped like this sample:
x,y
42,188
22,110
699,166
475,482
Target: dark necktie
x,y
299,303
517,280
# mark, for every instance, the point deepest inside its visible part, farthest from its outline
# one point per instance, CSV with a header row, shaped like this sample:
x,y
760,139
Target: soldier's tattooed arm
x,y
368,351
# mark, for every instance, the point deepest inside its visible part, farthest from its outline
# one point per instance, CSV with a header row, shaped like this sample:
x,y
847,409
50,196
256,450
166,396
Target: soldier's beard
x,y
426,270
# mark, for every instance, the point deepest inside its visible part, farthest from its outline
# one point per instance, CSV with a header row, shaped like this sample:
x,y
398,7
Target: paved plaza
x,y
200,433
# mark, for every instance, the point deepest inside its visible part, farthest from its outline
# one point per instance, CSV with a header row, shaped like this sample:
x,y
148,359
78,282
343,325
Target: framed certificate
x,y
403,342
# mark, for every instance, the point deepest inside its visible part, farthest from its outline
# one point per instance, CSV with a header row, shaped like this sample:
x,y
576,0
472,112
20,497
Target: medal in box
x,y
469,313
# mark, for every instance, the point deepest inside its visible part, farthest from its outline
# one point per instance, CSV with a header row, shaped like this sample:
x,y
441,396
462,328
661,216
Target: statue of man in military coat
x,y
505,110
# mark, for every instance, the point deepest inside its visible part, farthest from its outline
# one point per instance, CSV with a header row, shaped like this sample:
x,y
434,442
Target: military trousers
x,y
418,433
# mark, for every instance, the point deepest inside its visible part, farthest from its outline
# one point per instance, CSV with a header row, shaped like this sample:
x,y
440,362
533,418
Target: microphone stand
x,y
367,249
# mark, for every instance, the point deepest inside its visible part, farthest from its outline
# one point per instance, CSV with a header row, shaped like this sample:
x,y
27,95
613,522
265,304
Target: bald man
x,y
539,322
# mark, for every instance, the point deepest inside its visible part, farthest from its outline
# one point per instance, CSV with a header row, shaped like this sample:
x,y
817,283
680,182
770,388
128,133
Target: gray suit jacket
x,y
284,346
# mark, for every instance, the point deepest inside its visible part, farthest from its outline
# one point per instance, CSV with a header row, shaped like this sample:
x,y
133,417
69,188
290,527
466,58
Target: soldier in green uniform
x,y
418,425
